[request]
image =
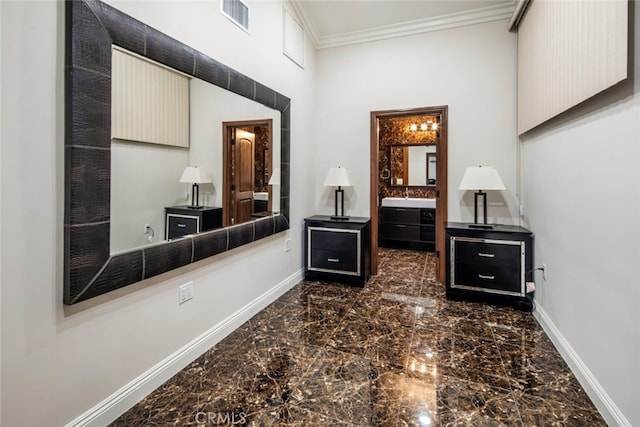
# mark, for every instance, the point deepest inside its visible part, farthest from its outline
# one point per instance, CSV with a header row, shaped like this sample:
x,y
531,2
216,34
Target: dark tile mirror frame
x,y
89,268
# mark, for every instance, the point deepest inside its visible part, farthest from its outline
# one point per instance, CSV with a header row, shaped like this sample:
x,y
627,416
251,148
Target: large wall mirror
x,y
115,187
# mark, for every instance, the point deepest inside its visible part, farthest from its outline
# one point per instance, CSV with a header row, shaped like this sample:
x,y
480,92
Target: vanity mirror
x,y
412,165
90,269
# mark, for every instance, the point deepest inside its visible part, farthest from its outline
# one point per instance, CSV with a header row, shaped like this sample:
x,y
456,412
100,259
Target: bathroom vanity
x,y
408,222
338,249
491,264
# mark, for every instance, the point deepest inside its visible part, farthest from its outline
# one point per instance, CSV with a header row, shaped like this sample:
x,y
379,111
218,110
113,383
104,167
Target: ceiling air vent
x,y
237,12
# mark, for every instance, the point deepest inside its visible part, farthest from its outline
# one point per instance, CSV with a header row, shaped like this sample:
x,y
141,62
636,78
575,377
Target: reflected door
x,y
243,179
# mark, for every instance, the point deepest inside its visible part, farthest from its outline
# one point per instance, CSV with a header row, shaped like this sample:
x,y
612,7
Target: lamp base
x,y
195,207
339,217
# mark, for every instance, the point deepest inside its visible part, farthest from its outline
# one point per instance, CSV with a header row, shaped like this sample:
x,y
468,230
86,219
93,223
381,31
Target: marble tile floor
x,y
394,353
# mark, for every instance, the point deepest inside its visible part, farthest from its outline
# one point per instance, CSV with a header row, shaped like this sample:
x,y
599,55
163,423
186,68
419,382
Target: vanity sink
x,y
410,202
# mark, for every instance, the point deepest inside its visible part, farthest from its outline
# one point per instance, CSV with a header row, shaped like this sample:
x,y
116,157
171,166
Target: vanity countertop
x,y
408,202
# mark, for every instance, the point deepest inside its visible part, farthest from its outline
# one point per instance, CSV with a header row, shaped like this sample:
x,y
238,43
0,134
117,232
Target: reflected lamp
x,y
275,177
194,175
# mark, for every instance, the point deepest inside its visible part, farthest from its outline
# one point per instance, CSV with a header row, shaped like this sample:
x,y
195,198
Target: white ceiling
x,y
332,23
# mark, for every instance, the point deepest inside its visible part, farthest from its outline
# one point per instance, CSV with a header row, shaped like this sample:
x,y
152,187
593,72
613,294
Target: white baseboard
x,y
608,409
123,399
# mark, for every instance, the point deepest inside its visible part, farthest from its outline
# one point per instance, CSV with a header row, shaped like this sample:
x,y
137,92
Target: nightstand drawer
x,y
331,239
181,225
495,254
334,260
501,279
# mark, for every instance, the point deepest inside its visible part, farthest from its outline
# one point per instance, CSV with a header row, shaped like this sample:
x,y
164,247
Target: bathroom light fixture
x,y
481,178
428,126
275,177
193,175
338,177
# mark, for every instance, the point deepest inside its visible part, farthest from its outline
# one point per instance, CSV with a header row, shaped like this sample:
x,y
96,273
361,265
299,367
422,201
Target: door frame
x,y
227,179
441,181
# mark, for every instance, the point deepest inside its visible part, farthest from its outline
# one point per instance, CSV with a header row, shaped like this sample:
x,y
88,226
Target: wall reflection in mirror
x,y
147,164
413,165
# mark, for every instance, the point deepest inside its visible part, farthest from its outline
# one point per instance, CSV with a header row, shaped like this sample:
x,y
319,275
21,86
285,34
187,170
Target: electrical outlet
x,y
287,245
544,272
531,287
146,228
522,210
185,292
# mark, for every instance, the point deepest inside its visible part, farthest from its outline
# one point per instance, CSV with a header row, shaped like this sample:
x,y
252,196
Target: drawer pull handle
x,y
182,225
486,255
486,277
400,226
333,260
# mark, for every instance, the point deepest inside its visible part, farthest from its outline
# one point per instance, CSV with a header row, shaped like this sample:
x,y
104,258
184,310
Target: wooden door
x,y
244,150
241,141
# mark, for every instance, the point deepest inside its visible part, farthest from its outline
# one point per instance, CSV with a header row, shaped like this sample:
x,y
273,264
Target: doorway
x,y
379,175
247,166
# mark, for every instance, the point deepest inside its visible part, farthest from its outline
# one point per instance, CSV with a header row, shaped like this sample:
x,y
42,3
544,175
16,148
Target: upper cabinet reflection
x,y
162,122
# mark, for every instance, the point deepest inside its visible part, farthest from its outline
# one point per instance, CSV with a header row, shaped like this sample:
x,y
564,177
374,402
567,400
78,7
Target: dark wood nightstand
x,y
338,249
492,264
183,220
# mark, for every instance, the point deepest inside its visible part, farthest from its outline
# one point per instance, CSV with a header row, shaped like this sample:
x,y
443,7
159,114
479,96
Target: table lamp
x,y
338,177
481,178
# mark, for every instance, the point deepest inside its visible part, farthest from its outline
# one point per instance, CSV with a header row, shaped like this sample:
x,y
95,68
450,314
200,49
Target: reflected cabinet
x,y
184,220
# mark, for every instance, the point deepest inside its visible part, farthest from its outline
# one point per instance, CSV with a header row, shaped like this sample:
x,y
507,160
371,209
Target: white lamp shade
x,y
275,177
337,177
194,175
481,178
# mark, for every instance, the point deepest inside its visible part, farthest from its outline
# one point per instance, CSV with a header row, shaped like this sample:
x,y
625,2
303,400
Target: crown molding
x,y
453,20
303,14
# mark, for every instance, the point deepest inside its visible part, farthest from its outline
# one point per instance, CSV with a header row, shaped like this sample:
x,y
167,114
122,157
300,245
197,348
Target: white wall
x,y
144,179
471,69
582,196
59,362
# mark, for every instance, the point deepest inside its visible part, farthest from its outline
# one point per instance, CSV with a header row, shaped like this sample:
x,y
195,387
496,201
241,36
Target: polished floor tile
x,y
394,353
